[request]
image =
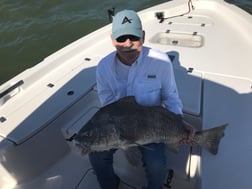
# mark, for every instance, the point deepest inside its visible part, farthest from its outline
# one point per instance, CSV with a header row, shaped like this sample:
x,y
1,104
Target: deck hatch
x,y
178,39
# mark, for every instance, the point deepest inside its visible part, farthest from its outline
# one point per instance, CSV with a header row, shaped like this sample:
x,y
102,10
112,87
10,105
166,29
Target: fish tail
x,y
210,139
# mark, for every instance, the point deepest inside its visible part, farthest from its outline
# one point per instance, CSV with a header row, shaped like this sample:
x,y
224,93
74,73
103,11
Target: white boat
x,y
209,43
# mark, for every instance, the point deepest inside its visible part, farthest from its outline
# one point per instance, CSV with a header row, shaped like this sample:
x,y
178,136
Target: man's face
x,y
128,48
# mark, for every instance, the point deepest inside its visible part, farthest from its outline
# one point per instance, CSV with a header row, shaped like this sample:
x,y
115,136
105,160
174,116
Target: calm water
x,y
30,30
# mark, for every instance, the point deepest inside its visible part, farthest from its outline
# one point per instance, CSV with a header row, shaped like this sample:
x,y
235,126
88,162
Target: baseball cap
x,y
126,22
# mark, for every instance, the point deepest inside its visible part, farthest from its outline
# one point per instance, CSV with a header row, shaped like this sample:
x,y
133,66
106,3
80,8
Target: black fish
x,y
125,123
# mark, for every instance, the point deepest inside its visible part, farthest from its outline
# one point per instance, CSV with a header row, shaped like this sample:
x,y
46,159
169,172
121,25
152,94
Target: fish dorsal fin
x,y
187,125
128,99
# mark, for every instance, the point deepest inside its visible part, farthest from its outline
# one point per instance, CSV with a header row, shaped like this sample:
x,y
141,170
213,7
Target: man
x,y
147,74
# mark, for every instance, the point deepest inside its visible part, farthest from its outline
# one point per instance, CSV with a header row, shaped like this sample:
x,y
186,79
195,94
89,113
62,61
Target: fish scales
x,y
125,123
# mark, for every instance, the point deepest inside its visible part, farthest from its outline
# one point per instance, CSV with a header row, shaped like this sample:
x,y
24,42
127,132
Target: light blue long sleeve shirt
x,y
150,79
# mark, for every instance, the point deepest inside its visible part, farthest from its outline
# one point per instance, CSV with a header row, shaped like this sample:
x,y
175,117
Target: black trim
x,y
12,88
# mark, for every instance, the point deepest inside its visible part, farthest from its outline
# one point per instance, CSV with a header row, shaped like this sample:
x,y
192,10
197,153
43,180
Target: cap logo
x,y
125,20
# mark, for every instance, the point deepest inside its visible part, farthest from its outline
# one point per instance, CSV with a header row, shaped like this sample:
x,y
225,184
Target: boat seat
x,y
87,107
189,83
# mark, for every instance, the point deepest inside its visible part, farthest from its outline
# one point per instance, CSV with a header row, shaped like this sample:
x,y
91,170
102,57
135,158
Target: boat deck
x,y
210,50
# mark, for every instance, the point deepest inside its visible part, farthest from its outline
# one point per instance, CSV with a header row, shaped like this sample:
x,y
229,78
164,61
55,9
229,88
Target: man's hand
x,y
189,140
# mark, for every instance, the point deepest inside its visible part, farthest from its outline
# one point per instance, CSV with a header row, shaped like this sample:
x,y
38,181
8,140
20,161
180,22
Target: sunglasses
x,y
123,38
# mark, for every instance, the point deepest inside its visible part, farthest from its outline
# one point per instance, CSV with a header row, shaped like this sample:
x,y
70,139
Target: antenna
x,y
111,14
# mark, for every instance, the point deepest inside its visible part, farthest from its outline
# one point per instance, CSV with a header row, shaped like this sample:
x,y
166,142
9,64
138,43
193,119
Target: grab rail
x,y
11,88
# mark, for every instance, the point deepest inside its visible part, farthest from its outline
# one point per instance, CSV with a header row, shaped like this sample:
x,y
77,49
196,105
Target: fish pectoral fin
x,y
134,156
173,147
